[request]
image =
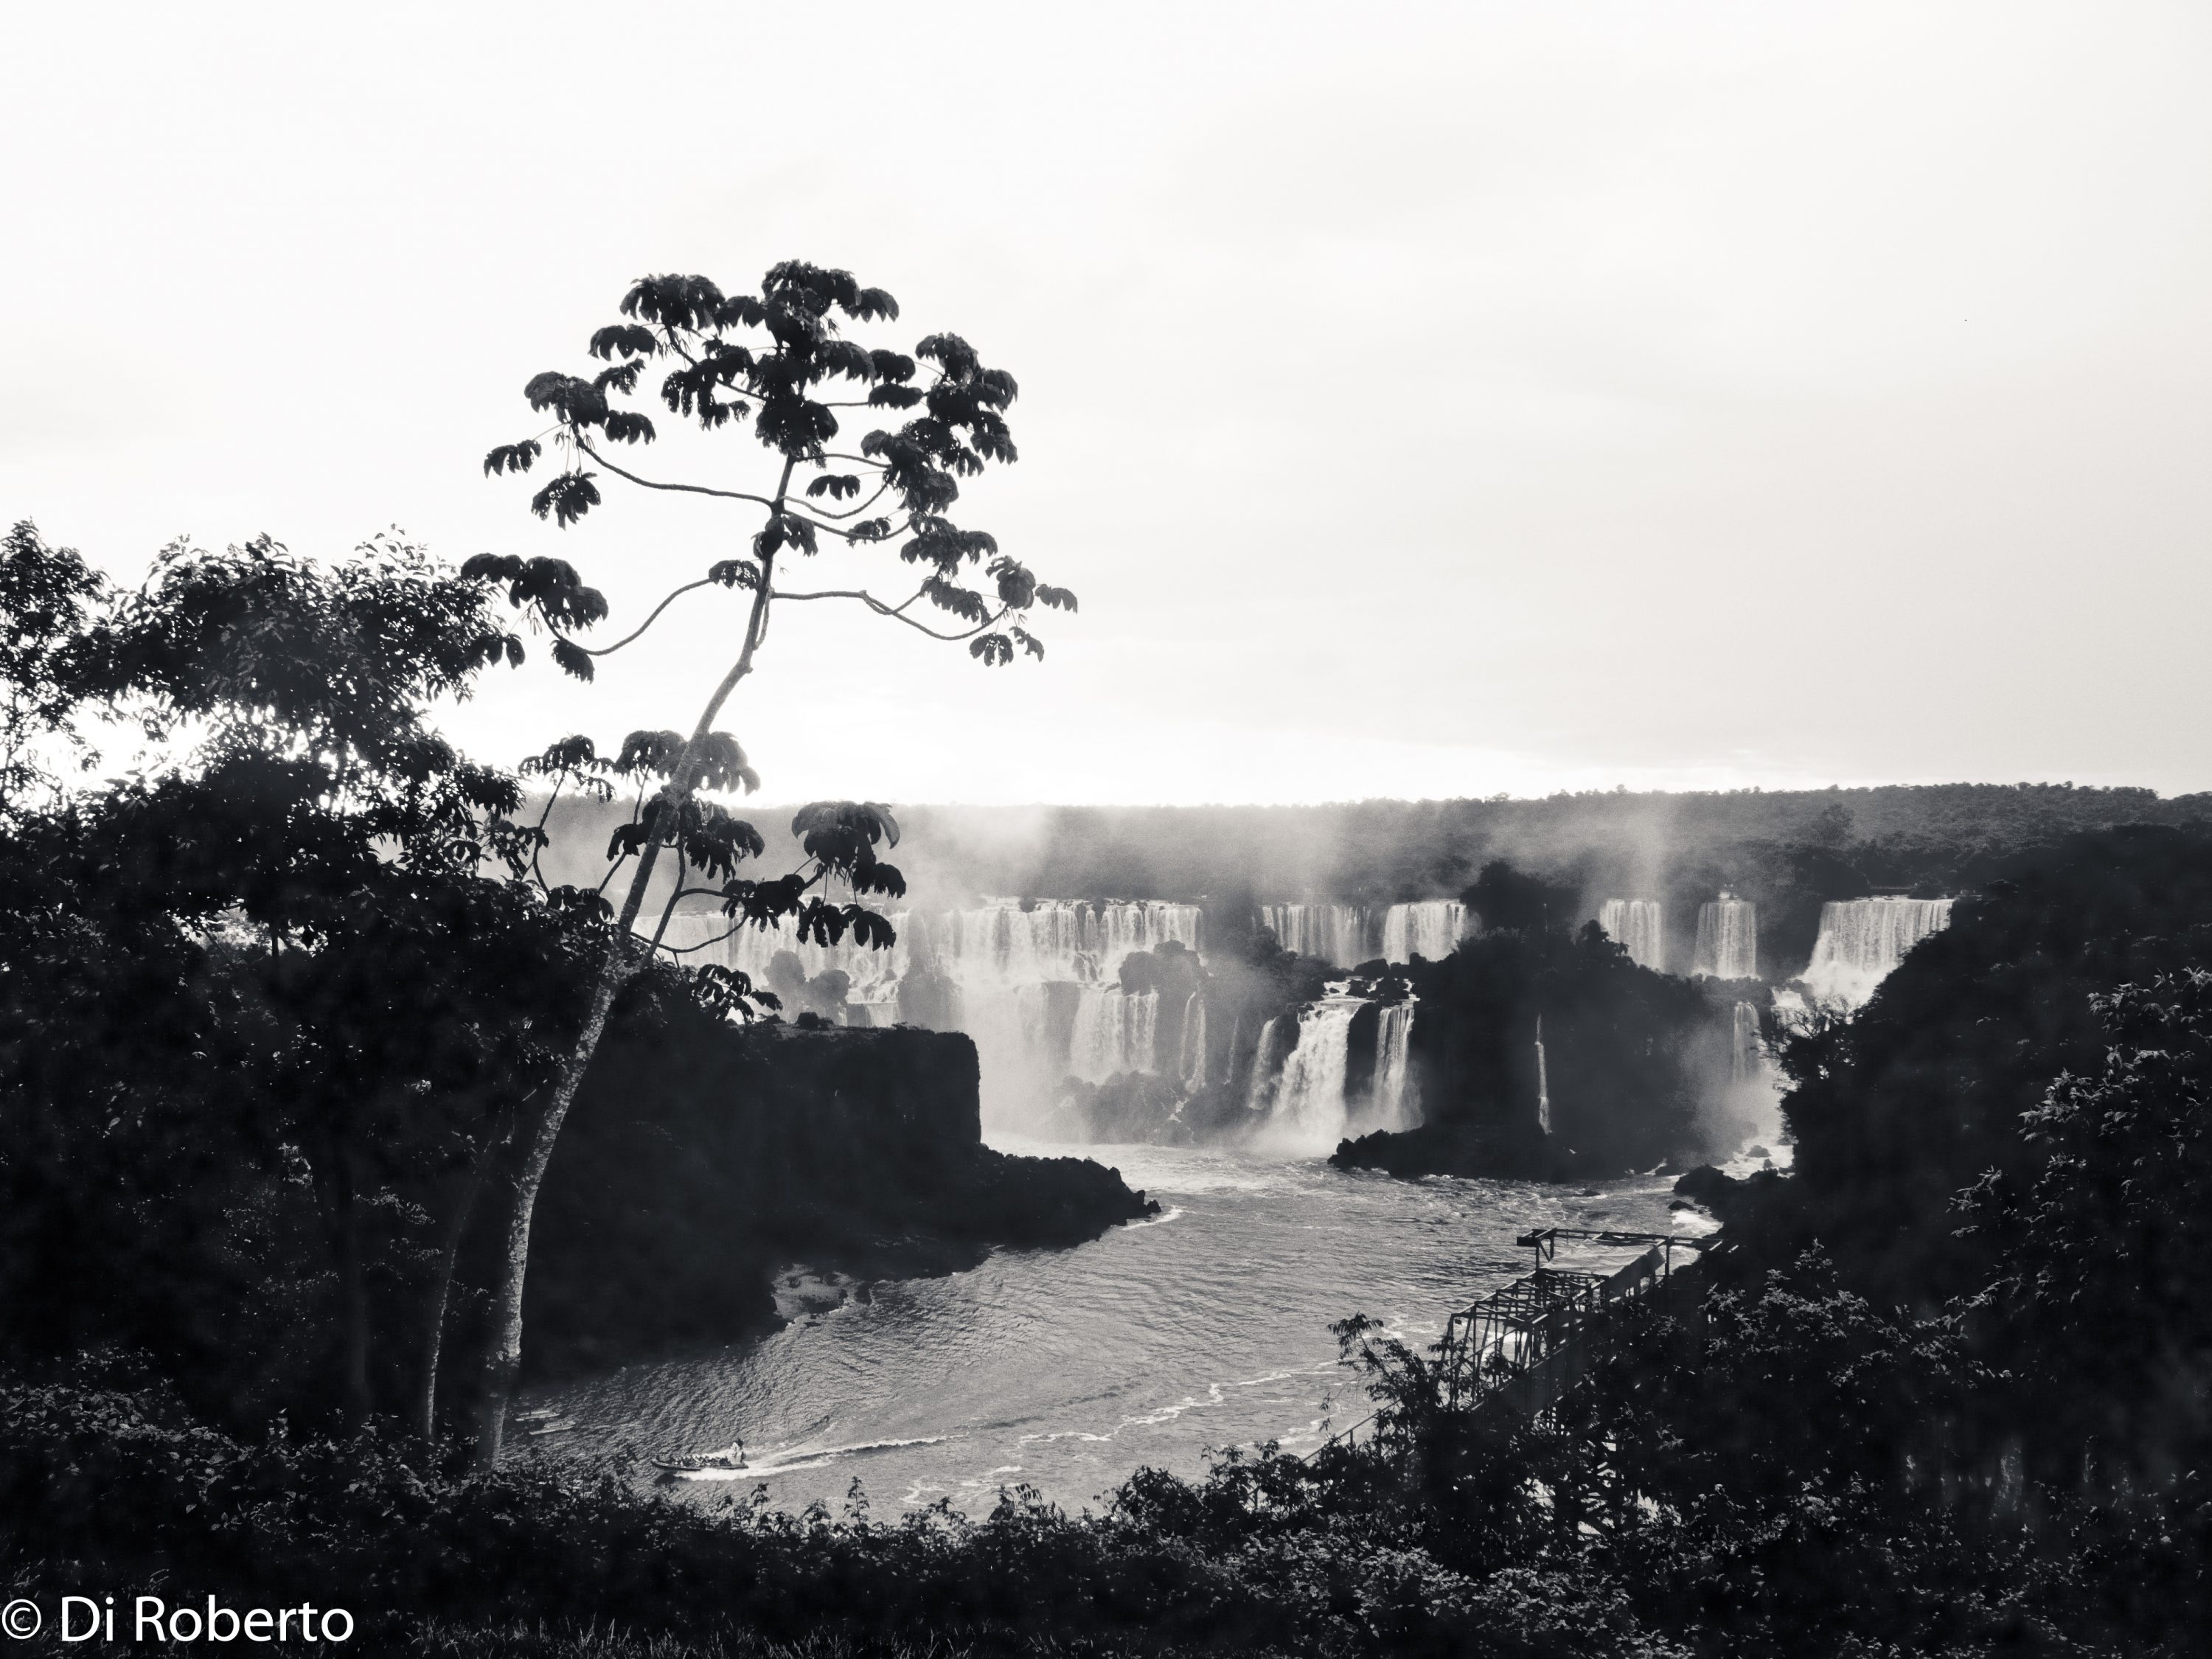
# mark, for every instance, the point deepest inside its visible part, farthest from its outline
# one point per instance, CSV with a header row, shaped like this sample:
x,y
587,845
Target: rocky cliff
x,y
700,1160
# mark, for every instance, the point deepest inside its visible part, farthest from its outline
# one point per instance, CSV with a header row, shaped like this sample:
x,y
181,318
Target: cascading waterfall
x,y
1634,925
985,970
1431,928
997,946
1862,940
1308,1114
1192,1065
1394,1107
1543,1083
1335,933
1346,935
1003,943
1115,1031
1744,1056
1039,988
1260,1092
1727,940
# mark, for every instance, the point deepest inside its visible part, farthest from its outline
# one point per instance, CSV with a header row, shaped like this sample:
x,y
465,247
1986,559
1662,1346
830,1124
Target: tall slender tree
x,y
773,361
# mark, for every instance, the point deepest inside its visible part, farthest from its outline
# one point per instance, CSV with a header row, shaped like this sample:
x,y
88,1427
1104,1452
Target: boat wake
x,y
795,1459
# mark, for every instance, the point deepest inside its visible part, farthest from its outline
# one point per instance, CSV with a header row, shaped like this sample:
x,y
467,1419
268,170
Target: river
x,y
1067,1369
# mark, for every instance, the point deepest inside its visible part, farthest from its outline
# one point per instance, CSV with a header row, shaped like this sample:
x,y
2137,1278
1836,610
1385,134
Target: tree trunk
x,y
441,1293
504,1360
353,1293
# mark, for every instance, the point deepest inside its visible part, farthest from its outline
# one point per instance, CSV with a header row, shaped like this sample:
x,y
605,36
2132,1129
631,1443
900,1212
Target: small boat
x,y
732,1456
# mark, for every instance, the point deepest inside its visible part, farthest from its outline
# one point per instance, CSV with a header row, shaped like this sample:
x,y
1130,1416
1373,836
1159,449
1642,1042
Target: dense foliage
x,y
260,1005
276,1004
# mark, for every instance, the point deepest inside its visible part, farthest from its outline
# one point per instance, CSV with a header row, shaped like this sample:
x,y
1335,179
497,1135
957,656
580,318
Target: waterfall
x,y
985,970
1192,1062
1395,1107
1346,935
995,946
1431,928
1727,940
1309,1112
1862,940
1335,933
1039,988
1260,1093
1743,1050
1115,1032
1543,1083
1002,944
1634,925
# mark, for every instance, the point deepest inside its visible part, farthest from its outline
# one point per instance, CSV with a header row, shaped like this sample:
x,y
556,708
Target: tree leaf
x,y
573,658
512,458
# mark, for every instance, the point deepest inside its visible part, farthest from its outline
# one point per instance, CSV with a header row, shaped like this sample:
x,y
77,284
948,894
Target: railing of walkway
x,y
1526,1344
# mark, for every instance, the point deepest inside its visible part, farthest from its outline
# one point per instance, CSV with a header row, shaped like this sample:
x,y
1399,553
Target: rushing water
x,y
1862,940
1727,940
1067,1369
1349,934
1637,926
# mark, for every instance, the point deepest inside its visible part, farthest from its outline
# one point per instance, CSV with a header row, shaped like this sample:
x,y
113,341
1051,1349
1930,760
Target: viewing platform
x,y
1526,1344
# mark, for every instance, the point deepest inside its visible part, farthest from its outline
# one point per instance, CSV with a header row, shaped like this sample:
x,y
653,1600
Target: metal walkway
x,y
1526,1344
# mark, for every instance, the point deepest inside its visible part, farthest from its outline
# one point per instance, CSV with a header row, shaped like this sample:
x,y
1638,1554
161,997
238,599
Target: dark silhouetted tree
x,y
776,362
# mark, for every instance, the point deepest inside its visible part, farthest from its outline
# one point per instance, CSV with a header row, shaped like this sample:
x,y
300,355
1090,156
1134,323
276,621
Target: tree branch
x,y
686,950
536,873
854,511
620,471
607,650
897,612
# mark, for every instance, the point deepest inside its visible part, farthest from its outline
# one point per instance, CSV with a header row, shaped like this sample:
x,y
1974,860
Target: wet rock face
x,y
702,1162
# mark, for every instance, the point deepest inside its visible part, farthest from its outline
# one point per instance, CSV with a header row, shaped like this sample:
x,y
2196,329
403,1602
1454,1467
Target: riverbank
x,y
1066,1370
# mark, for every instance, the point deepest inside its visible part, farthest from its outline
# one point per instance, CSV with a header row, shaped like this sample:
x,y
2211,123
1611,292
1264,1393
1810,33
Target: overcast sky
x,y
1423,400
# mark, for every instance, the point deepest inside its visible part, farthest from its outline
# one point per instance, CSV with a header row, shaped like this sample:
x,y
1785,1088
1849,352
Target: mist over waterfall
x,y
1635,926
1098,1021
1862,940
996,946
1727,940
1347,935
1430,928
1036,984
